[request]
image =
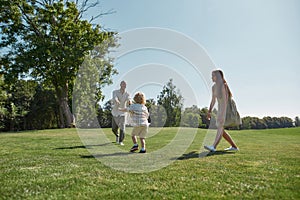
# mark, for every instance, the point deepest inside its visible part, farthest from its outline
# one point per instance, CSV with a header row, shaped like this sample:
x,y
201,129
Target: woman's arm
x,y
212,103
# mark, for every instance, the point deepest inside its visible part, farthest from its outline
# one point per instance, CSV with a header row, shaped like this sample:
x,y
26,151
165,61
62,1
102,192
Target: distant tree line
x,y
29,105
196,117
168,111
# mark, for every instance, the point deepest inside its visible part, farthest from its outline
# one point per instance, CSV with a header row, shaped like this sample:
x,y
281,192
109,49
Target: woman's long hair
x,y
220,82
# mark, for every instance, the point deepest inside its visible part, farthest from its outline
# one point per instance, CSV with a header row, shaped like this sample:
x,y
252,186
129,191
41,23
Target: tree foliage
x,y
28,105
3,100
191,117
158,114
266,122
104,115
20,98
172,101
44,113
48,41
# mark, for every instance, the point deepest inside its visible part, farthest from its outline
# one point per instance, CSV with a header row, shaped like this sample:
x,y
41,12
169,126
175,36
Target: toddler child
x,y
139,118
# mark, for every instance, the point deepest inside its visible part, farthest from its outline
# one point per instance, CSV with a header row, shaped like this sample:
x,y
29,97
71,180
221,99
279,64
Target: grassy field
x,y
54,164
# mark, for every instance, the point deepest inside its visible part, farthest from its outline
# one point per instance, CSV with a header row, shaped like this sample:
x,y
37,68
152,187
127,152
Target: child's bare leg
x,y
143,143
134,139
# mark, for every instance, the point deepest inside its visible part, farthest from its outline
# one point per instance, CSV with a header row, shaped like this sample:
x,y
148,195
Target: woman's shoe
x,y
210,148
231,149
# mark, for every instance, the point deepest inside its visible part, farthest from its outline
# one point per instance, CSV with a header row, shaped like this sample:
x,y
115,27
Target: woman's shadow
x,y
196,154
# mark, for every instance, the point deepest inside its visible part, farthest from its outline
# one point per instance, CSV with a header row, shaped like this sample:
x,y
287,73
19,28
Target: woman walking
x,y
221,93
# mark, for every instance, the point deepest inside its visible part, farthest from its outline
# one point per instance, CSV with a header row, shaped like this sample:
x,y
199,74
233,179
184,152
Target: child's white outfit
x,y
139,119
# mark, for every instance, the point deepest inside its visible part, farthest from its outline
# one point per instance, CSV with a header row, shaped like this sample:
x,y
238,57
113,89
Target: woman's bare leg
x,y
218,136
228,138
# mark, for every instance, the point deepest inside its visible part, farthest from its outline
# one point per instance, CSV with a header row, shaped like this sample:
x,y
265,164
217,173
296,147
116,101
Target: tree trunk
x,y
66,117
61,116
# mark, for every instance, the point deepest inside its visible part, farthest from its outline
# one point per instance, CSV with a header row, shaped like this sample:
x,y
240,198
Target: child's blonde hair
x,y
139,98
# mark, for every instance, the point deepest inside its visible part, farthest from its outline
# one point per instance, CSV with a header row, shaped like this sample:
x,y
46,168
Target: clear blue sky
x,y
256,43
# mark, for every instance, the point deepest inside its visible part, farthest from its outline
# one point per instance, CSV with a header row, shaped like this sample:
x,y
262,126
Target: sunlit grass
x,y
54,164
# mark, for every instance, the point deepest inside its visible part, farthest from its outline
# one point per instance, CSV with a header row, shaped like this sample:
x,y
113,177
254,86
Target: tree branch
x,y
85,7
111,11
28,20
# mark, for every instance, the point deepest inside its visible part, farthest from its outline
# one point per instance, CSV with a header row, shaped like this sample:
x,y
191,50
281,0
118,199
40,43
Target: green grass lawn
x,y
54,164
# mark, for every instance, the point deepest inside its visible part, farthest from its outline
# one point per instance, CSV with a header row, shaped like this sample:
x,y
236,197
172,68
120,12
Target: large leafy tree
x,y
47,40
171,99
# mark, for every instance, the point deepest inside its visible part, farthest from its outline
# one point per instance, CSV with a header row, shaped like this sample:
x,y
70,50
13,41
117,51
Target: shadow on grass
x,y
82,146
193,154
196,154
217,153
106,155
